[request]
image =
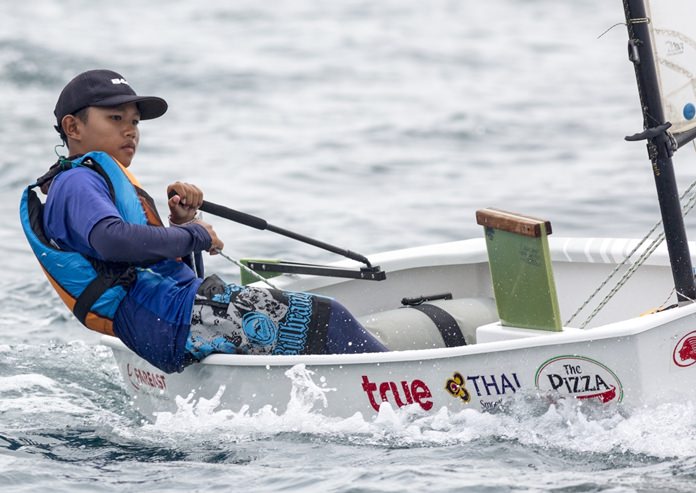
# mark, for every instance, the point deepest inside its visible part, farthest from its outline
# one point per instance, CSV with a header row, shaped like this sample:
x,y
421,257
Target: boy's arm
x,y
80,216
117,241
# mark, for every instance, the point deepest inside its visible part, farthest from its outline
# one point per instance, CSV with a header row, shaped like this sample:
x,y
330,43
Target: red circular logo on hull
x,y
684,353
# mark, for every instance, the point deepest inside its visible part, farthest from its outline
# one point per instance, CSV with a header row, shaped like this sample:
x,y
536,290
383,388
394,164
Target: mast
x,y
661,147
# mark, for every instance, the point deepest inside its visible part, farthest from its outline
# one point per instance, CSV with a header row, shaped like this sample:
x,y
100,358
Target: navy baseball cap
x,y
104,88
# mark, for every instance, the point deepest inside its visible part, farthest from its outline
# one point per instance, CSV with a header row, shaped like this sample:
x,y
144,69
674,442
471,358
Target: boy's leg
x,y
235,319
347,336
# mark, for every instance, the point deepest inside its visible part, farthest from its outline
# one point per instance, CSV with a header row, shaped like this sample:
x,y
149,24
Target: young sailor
x,y
103,247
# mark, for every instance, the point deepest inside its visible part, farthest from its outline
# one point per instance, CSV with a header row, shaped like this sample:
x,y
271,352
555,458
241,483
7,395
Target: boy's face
x,y
113,130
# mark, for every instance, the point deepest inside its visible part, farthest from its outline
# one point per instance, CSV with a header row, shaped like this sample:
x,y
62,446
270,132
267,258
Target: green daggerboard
x,y
520,264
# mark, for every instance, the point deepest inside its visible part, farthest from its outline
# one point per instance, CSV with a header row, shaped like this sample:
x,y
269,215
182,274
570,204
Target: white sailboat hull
x,y
621,358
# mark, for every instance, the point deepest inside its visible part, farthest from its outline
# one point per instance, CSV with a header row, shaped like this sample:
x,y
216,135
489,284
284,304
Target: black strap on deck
x,y
445,323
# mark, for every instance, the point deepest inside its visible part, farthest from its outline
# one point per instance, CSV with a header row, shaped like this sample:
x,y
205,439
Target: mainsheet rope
x,y
245,268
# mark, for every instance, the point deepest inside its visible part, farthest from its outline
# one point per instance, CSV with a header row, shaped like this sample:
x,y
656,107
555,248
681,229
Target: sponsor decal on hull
x,y
401,394
489,388
457,387
145,380
580,377
684,354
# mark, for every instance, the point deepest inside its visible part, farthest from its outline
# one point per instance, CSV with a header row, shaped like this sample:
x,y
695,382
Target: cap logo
x,y
119,81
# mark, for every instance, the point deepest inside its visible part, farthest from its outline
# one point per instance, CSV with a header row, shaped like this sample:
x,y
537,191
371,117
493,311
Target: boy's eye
x,y
118,118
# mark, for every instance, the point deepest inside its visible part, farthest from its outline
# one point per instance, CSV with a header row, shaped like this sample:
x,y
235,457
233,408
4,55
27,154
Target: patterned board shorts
x,y
228,318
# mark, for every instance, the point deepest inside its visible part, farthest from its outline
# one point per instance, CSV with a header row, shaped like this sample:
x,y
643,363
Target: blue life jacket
x,y
92,289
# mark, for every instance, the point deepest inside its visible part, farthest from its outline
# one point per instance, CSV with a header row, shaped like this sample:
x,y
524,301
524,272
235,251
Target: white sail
x,y
673,30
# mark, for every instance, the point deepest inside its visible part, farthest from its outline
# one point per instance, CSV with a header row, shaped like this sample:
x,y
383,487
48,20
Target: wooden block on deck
x,y
512,222
520,265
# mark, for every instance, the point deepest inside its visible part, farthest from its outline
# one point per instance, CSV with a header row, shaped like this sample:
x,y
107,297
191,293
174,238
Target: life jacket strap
x,y
61,165
89,296
94,290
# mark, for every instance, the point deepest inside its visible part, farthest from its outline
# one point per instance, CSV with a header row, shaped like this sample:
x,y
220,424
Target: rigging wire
x,y
639,262
610,28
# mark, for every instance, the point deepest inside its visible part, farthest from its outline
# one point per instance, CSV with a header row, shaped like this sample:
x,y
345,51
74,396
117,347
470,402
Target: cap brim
x,y
149,106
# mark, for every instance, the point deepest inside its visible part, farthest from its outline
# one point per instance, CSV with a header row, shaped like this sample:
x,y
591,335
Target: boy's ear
x,y
71,127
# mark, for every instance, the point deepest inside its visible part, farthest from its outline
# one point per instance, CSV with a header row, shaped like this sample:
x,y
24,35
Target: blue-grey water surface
x,y
371,125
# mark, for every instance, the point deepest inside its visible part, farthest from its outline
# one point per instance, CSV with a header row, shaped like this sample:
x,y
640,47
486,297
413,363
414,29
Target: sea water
x,y
370,125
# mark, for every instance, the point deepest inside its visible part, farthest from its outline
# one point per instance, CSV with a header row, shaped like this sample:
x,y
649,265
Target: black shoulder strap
x,y
89,296
108,276
445,323
96,167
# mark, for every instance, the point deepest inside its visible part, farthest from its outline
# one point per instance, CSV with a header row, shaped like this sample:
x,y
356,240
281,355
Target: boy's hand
x,y
184,205
217,243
